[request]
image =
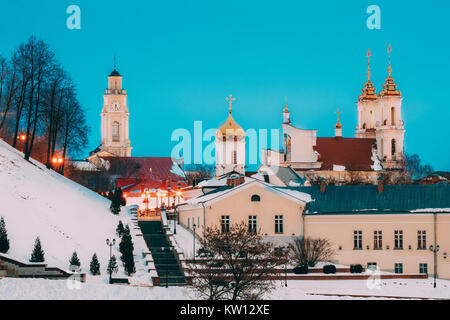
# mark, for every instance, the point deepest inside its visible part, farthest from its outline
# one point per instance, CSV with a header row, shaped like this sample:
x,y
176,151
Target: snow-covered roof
x,y
226,191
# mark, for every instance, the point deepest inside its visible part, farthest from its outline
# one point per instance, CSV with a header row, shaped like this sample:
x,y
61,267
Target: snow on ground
x,y
185,240
66,216
40,289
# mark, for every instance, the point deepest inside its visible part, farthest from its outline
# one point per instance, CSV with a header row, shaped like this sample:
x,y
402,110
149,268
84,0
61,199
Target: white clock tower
x,y
115,115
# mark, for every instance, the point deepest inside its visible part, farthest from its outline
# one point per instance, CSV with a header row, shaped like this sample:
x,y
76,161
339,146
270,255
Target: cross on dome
x,y
230,100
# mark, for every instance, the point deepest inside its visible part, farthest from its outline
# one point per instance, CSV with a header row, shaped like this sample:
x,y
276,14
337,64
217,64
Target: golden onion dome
x,y
230,130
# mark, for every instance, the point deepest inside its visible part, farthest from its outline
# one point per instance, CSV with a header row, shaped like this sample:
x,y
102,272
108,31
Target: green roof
x,y
398,198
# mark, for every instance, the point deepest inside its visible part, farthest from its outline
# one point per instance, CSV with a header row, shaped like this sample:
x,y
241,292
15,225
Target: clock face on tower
x,y
115,106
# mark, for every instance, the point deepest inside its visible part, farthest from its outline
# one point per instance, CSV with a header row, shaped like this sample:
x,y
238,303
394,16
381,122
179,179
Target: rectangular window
x,y
421,239
279,228
398,239
399,268
377,240
423,268
225,224
252,225
357,239
372,265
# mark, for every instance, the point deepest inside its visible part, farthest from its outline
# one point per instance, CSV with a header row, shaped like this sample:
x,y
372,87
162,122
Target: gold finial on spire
x,y
389,50
338,112
368,64
389,86
230,100
368,92
285,105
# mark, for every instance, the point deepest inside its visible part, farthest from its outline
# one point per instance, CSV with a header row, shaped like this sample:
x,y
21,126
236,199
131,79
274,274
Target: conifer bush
x,y
4,242
94,267
38,254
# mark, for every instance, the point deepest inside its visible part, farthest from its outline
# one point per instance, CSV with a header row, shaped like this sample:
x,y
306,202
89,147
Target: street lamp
x,y
175,214
435,250
167,276
194,226
110,244
168,196
285,251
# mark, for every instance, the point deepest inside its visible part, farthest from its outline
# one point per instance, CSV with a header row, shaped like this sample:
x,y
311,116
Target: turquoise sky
x,y
180,59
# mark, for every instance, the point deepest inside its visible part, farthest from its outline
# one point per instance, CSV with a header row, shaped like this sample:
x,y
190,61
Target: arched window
x,y
381,148
287,147
256,198
393,116
116,132
372,120
393,147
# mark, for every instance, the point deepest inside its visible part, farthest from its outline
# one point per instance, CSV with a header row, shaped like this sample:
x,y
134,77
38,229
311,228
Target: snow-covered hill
x,y
35,201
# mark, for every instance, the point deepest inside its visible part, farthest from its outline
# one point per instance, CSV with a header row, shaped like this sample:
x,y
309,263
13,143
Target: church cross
x,y
389,50
368,55
230,100
338,112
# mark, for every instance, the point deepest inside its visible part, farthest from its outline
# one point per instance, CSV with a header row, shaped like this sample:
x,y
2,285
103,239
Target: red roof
x,y
149,173
353,153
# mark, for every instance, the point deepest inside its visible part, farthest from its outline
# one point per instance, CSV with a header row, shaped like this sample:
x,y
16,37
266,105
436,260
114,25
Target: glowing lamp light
x,y
60,160
22,137
179,193
55,160
143,195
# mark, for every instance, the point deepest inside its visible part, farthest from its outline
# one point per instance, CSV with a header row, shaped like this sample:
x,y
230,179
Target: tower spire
x,y
389,50
285,105
368,91
389,86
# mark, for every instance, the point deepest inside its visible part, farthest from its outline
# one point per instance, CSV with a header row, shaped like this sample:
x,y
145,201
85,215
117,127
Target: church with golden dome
x,y
230,145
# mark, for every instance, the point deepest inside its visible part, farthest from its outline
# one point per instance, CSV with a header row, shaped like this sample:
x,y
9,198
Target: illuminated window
x,y
421,239
377,240
398,239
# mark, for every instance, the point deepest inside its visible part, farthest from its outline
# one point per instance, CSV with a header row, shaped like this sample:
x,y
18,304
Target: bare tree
x,y
415,167
247,261
308,251
198,172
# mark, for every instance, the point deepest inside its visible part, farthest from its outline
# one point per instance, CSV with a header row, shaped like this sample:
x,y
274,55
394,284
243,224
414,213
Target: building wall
x,y
339,230
239,207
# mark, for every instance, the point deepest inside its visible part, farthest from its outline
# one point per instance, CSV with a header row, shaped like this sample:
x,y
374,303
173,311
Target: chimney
x,y
235,181
323,185
380,185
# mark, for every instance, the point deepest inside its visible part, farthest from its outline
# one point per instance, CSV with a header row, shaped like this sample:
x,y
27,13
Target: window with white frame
x,y
423,268
225,224
357,239
252,224
398,239
421,239
279,227
399,268
377,240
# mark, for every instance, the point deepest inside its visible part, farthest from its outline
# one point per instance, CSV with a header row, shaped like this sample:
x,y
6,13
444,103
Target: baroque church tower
x,y
115,116
230,145
380,118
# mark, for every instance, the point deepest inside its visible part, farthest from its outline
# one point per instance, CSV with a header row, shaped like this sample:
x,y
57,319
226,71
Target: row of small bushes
x,y
328,269
356,268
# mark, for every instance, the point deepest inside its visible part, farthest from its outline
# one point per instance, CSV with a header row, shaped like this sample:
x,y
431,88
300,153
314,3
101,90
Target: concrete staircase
x,y
164,256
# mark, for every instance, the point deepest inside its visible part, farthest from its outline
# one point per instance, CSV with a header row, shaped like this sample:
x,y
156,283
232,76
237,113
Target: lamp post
x,y
167,276
435,250
286,251
110,244
175,215
168,196
194,226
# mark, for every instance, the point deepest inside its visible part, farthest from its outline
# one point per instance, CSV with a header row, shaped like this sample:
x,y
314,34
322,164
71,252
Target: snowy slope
x,y
36,201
